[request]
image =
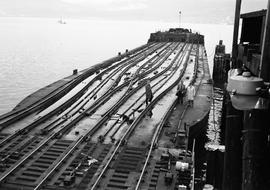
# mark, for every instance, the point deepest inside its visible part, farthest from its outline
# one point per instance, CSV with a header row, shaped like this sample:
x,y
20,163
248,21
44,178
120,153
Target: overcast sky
x,y
194,11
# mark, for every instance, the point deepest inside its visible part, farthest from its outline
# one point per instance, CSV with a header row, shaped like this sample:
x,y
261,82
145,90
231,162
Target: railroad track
x,y
101,101
54,158
35,150
124,175
150,172
12,117
93,93
130,111
67,103
92,130
4,141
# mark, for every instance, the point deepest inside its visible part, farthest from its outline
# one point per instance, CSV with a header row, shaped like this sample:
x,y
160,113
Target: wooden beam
x,y
265,60
254,150
232,172
235,33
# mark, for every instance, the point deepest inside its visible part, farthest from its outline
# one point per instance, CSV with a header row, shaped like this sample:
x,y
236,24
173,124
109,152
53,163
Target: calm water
x,y
35,52
214,121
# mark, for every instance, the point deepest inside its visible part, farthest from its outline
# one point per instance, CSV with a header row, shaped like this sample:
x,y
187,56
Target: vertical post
x,y
235,33
214,172
233,149
254,150
193,166
265,59
179,19
211,163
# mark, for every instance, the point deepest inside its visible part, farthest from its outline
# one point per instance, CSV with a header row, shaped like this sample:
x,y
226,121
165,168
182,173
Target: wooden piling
x,y
255,160
233,148
210,170
221,68
214,172
223,116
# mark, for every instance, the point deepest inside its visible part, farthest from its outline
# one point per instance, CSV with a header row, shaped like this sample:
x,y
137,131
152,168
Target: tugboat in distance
x,y
61,21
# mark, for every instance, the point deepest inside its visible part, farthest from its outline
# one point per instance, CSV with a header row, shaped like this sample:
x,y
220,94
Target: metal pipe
x,y
235,33
265,59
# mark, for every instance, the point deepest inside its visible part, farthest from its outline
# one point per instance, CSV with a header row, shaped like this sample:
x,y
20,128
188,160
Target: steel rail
x,y
96,90
124,99
157,134
42,119
59,163
131,128
154,140
82,138
54,98
114,59
129,108
103,64
43,143
14,167
104,98
26,157
66,104
101,100
163,51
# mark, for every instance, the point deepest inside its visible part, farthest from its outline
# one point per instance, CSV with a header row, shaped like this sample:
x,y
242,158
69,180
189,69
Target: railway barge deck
x,y
101,134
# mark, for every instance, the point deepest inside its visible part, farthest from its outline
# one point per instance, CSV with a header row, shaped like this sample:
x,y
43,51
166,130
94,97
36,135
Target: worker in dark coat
x,y
180,92
190,95
148,92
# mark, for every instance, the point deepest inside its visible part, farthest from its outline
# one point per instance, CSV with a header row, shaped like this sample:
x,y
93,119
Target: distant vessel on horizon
x,y
61,21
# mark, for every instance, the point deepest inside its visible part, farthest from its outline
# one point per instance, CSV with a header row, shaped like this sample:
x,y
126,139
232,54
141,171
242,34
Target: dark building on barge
x,y
177,35
251,41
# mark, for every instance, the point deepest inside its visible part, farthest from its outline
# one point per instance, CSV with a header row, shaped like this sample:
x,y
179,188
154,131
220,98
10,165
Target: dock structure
x,y
246,104
221,65
95,130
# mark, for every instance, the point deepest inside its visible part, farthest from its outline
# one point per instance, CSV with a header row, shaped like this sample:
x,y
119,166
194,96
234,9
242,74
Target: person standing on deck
x,y
180,92
190,95
148,92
